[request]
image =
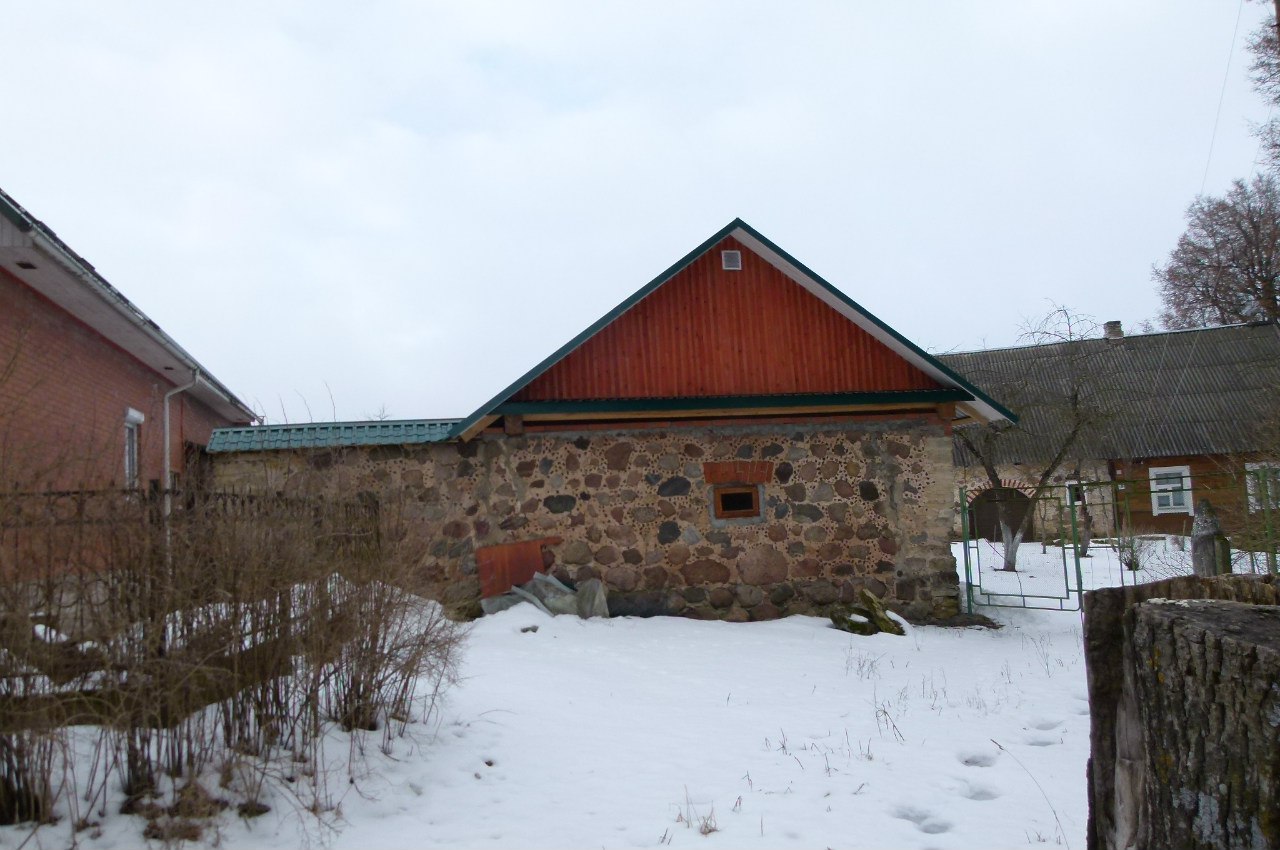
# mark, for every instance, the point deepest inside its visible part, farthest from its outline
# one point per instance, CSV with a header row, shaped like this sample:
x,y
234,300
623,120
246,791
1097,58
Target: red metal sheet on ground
x,y
506,565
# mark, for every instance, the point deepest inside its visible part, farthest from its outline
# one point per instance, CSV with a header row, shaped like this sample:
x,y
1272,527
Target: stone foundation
x,y
844,507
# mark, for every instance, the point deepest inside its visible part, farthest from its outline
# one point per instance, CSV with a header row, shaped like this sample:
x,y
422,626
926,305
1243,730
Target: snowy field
x,y
672,732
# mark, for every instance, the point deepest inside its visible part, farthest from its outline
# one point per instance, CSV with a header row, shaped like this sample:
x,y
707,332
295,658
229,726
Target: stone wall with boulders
x,y
845,507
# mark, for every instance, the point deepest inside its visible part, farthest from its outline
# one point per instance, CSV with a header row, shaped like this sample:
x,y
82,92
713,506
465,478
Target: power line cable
x,y
1222,95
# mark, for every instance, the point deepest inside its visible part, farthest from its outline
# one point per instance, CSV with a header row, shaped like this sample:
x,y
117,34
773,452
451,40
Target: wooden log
x,y
1204,676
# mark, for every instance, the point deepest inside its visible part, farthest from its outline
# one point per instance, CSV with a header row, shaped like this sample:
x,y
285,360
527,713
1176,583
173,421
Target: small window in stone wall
x,y
735,501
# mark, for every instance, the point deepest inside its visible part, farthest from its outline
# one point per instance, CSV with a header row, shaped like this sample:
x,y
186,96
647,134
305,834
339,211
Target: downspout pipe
x,y
168,447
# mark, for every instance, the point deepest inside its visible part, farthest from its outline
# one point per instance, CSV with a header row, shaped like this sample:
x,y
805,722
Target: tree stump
x,y
1205,675
1185,714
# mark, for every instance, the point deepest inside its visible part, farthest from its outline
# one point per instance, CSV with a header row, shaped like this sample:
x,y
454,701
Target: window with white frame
x,y
1262,483
132,420
1171,490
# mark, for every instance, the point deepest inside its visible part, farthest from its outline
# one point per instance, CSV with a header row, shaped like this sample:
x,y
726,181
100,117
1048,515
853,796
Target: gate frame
x,y
1120,495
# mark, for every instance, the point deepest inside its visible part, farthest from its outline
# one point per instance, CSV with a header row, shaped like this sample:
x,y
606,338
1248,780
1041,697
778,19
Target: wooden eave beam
x,y
479,425
723,413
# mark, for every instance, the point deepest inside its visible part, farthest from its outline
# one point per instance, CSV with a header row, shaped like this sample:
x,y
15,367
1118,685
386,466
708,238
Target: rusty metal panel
x,y
713,332
505,565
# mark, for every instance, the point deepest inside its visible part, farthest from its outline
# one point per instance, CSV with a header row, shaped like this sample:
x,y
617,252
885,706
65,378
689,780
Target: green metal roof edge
x,y
322,435
854,305
627,405
489,407
595,327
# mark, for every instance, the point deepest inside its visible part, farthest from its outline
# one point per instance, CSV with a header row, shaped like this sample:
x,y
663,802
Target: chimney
x,y
1112,330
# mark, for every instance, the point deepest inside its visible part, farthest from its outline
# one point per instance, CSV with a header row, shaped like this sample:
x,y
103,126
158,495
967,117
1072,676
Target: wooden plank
x,y
709,332
481,423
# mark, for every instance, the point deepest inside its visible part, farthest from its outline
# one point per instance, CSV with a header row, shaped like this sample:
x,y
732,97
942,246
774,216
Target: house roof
x,y
985,407
1172,393
951,387
398,432
33,253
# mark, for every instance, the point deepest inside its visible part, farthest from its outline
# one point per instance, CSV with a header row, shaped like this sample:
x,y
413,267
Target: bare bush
x,y
220,641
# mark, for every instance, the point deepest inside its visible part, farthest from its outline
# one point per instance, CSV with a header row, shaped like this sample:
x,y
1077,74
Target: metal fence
x,y
1089,534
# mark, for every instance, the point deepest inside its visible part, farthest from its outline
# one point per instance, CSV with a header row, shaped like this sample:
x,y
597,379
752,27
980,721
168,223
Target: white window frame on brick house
x,y
1177,493
132,420
1254,473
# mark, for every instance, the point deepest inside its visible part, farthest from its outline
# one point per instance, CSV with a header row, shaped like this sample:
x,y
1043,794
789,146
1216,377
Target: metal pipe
x,y
168,448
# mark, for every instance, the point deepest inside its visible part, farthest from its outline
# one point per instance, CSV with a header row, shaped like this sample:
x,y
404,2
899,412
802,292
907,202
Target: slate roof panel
x,y
1176,392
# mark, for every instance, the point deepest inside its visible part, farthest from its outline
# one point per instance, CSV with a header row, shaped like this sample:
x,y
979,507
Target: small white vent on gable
x,y
731,260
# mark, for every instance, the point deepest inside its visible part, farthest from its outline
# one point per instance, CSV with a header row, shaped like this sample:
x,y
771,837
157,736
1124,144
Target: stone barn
x,y
738,440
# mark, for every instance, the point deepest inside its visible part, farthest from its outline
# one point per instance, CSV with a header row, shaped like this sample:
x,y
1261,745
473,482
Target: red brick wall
x,y
64,391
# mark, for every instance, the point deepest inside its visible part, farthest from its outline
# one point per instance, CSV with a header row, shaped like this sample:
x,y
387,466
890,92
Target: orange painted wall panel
x,y
711,332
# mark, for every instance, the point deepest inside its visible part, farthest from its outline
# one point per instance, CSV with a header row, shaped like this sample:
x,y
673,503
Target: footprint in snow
x,y
1043,741
977,758
924,821
1045,725
971,791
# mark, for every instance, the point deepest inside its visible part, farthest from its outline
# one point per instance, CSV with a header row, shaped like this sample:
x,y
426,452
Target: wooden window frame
x,y
719,491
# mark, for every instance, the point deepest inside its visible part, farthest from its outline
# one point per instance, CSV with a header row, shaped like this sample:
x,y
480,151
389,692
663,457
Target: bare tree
x,y
1060,386
1226,266
1265,74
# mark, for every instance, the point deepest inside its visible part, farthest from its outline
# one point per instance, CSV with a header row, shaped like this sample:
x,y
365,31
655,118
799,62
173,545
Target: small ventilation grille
x,y
731,260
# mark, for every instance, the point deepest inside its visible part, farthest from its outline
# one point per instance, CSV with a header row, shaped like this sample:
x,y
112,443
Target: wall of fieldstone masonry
x,y
845,507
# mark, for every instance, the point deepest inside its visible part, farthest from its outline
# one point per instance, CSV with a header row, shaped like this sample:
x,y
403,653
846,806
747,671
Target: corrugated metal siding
x,y
710,332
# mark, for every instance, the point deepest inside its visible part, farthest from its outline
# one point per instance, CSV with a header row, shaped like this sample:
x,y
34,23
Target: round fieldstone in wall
x,y
677,485
560,504
808,513
668,532
576,552
705,571
720,597
762,564
618,456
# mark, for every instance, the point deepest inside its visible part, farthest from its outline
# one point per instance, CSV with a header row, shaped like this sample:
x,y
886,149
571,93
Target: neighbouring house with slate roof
x,y
738,439
90,387
1191,414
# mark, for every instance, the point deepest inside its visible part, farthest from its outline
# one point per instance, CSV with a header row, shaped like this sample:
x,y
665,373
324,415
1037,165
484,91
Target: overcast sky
x,y
405,205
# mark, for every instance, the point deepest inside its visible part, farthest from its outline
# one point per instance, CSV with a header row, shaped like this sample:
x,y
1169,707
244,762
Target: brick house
x,y
86,379
737,439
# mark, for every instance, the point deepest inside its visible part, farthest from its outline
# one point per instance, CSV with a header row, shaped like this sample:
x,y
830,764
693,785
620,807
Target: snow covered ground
x,y
672,732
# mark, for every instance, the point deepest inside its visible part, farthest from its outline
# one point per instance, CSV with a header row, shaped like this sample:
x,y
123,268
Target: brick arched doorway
x,y
984,518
